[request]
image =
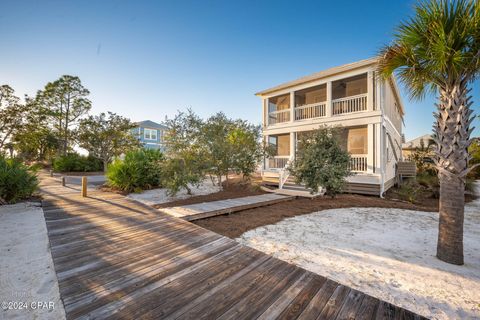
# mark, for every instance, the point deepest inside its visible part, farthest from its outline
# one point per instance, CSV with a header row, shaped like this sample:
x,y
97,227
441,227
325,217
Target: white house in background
x,y
369,109
421,142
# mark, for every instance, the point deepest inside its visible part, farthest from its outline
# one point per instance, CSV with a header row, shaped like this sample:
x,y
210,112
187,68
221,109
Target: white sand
x,y
158,196
387,253
27,274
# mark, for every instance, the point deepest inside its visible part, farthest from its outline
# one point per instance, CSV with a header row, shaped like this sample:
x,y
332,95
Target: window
x,y
311,95
150,134
357,141
349,87
281,143
279,103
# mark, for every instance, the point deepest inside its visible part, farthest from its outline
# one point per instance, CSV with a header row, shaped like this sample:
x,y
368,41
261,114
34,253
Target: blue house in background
x,y
150,134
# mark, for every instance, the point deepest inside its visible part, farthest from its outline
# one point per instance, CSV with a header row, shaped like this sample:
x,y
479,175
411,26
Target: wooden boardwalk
x,y
203,210
118,259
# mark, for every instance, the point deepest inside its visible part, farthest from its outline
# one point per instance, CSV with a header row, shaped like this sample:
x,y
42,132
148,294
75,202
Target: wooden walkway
x,y
209,209
118,259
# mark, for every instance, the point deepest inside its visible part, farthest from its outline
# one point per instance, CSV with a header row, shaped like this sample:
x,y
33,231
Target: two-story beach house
x,y
150,134
369,111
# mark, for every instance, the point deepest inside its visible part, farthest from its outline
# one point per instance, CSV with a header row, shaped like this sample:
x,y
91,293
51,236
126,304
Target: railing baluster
x,y
358,163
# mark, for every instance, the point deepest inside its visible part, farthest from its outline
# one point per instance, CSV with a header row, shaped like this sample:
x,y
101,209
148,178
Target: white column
x,y
378,148
292,106
292,145
378,92
328,111
265,113
264,123
370,148
370,91
265,159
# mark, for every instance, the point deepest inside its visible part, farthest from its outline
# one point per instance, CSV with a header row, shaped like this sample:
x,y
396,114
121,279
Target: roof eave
x,y
319,75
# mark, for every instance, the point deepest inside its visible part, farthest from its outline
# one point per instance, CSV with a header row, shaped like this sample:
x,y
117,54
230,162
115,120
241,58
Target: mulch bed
x,y
236,224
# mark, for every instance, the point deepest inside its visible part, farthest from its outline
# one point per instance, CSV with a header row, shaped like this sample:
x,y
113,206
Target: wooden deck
x,y
203,210
118,259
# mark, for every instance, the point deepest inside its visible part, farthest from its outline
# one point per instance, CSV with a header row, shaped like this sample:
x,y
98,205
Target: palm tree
x,y
438,51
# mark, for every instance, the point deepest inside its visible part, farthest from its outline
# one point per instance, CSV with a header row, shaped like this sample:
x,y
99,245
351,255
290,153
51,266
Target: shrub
x,y
141,169
409,191
423,161
17,181
321,162
180,174
73,162
429,181
474,151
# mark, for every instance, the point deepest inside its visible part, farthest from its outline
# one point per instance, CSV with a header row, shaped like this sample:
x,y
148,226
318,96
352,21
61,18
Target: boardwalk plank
x,y
120,259
318,302
298,305
332,308
351,305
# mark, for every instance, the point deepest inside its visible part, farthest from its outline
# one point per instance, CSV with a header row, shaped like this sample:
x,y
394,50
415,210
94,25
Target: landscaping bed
x,y
236,224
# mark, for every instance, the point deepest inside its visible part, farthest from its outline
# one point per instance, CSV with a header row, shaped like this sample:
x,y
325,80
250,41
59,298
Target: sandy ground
x,y
159,196
28,283
387,253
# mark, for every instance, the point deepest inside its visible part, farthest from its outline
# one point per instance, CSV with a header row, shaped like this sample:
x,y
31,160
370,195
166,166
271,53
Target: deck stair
x,y
290,187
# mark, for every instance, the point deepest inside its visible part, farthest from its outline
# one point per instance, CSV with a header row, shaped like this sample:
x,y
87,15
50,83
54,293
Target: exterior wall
x,y
393,131
139,133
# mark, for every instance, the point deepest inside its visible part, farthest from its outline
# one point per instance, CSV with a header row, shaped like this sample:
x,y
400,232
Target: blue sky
x,y
148,59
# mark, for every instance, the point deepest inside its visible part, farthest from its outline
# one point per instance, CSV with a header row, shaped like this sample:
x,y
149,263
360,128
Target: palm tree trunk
x,y
452,137
450,227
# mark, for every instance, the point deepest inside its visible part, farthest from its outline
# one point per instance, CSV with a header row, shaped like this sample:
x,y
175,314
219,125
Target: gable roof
x,y
417,142
320,75
151,124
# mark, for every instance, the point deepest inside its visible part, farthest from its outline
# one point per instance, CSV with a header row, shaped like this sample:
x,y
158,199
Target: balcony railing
x,y
358,162
349,104
309,111
279,116
278,162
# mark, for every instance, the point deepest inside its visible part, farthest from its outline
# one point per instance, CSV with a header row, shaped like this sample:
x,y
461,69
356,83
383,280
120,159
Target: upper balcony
x,y
334,98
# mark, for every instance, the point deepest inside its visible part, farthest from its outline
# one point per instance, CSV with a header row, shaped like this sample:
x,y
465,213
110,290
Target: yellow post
x,y
84,186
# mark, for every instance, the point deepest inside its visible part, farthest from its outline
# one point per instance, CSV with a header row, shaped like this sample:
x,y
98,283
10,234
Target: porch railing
x,y
279,116
349,104
309,111
278,162
358,162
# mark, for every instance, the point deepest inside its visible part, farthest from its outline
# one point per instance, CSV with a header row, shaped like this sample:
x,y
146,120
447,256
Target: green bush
x,y
430,182
17,181
179,174
410,191
321,162
141,169
73,162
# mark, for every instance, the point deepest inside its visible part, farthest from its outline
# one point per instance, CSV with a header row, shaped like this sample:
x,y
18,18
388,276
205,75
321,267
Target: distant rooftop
x,y
417,142
150,124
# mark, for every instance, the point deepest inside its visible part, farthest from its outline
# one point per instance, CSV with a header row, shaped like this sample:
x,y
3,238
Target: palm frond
x,y
438,45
